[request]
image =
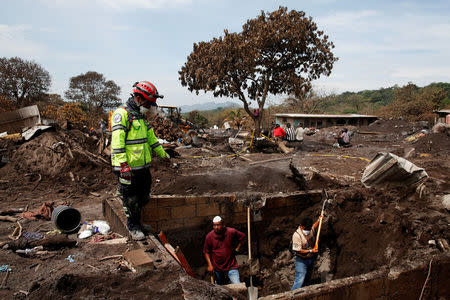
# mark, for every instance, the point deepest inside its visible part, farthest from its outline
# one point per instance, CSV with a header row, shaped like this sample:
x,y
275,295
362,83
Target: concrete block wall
x,y
172,212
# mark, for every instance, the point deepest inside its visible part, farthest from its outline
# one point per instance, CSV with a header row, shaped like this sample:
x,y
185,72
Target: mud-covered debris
x,y
298,177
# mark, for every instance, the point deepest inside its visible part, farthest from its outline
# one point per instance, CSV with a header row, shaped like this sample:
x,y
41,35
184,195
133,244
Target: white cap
x,y
217,219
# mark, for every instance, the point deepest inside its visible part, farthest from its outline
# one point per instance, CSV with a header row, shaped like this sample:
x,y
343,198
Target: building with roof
x,y
321,121
443,116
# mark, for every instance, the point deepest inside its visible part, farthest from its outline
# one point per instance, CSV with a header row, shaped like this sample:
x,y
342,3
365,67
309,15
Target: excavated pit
x,y
365,231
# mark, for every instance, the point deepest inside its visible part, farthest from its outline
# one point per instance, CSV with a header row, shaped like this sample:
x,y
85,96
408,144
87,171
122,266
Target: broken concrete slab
x,y
138,260
389,170
238,288
31,132
14,121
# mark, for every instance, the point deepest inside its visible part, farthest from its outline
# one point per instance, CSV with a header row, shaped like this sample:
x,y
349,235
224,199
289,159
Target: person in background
x,y
344,138
299,133
278,132
290,133
220,248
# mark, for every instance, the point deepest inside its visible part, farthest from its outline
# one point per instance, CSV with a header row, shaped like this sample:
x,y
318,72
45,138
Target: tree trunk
x,y
258,121
257,126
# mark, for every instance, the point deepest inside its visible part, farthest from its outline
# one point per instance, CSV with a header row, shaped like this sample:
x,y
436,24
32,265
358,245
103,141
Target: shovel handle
x,y
316,246
249,239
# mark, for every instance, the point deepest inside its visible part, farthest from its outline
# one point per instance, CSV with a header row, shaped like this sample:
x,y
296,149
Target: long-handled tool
x,y
252,291
325,199
3,286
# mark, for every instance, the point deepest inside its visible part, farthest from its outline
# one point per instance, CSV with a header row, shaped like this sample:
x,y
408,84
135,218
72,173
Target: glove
x,y
125,171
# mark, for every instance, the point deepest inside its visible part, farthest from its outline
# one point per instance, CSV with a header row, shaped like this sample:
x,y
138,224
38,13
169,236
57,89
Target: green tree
x,y
22,79
275,53
93,91
197,118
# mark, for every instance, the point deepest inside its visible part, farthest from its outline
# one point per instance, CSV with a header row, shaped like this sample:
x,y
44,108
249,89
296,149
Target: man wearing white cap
x,y
221,245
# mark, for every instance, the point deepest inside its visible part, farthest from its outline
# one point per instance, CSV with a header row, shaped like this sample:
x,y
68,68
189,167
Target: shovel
x,y
325,198
252,291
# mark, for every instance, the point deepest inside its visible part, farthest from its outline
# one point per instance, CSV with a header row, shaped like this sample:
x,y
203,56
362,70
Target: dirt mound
x,y
57,157
255,178
158,284
53,154
396,126
433,143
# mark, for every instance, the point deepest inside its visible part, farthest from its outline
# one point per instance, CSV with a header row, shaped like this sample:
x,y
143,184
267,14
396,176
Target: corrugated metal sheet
x,y
389,170
14,121
443,111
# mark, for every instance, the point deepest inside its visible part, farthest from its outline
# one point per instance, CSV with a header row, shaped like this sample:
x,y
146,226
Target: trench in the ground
x,y
358,236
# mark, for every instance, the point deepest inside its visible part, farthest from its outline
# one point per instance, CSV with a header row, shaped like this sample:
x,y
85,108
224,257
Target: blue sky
x,y
379,43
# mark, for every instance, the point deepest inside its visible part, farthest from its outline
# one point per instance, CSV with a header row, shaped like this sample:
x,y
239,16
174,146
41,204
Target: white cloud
x,y
147,4
121,28
421,72
14,42
123,5
346,19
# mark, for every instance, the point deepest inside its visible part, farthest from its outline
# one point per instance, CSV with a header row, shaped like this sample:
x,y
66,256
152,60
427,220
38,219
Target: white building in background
x,y
321,121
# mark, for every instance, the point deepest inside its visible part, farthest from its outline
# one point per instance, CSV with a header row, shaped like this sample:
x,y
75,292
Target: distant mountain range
x,y
208,106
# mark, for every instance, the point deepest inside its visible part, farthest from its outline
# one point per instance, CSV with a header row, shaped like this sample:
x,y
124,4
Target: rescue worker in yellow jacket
x,y
132,143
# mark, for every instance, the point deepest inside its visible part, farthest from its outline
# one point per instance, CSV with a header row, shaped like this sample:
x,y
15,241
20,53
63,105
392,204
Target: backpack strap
x,y
129,116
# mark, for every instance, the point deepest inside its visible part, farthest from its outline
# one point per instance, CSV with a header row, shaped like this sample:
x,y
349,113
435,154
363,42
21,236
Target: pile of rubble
x,y
166,129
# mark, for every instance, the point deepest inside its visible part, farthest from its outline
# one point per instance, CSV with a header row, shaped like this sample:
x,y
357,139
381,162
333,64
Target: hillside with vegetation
x,y
410,102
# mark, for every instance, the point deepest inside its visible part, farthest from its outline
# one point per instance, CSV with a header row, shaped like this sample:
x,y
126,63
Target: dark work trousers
x,y
135,195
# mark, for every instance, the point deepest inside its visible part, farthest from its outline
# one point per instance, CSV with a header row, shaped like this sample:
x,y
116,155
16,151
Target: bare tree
x,y
93,91
278,52
307,102
21,79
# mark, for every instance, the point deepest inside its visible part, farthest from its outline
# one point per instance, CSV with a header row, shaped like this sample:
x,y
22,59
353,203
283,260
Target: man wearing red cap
x,y
221,245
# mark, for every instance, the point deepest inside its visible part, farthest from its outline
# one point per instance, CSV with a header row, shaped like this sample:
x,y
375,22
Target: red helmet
x,y
147,91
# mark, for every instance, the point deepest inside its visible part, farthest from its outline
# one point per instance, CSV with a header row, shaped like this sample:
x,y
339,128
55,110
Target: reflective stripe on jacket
x,y
132,142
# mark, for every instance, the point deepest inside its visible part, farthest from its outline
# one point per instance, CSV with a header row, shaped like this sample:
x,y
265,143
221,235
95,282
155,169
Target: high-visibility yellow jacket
x,y
132,140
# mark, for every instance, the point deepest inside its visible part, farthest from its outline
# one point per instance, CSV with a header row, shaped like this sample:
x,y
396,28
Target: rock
x,y
408,152
446,201
440,128
423,124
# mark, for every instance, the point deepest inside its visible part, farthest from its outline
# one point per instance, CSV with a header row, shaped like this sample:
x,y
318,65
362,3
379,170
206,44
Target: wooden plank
x,y
246,158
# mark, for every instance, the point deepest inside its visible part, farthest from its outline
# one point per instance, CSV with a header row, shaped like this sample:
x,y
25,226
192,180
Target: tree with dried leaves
x,y
278,52
21,80
94,92
414,103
